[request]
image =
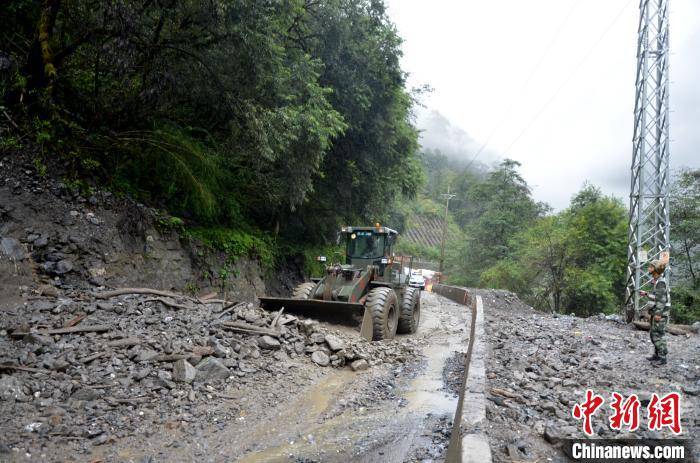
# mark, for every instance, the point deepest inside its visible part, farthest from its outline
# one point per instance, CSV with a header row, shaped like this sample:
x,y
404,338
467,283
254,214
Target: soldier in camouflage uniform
x,y
659,311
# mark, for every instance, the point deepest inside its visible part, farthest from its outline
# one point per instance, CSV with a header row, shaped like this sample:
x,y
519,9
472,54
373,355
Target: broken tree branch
x,y
219,301
207,296
155,292
11,366
644,326
248,328
230,308
75,321
125,342
276,320
169,303
74,329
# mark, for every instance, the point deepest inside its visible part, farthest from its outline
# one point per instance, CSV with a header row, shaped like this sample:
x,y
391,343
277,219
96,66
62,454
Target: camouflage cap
x,y
658,265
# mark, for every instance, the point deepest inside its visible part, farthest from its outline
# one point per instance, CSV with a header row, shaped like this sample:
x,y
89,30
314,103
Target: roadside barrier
x,y
461,296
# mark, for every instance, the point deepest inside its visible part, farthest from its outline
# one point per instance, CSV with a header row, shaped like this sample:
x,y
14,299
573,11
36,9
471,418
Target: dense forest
x,y
262,126
277,118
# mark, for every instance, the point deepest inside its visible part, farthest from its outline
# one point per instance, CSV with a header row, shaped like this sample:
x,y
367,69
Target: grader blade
x,y
321,309
292,305
366,328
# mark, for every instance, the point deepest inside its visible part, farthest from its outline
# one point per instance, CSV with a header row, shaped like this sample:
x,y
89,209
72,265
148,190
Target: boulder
x,y
11,389
320,358
317,338
184,372
41,242
334,342
359,365
210,370
12,248
145,355
268,342
63,266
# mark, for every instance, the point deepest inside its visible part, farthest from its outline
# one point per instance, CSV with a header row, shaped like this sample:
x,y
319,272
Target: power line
x,y
518,97
569,77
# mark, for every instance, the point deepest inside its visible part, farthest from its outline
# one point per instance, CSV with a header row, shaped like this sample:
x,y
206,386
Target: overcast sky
x,y
478,56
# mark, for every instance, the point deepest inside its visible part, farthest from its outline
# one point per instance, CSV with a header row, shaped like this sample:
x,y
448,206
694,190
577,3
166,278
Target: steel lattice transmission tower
x,y
649,214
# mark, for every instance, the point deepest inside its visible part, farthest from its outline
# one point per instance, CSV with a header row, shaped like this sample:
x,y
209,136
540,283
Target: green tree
x,y
685,244
375,160
572,261
493,212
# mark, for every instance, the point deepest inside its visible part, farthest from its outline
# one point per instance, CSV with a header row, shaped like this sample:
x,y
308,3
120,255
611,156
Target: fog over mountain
x,y
550,84
440,134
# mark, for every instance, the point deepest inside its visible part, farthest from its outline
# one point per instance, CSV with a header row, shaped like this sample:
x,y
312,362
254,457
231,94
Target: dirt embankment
x,y
539,365
51,234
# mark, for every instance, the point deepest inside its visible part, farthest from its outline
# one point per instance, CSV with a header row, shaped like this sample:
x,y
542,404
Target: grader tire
x,y
303,291
383,306
409,318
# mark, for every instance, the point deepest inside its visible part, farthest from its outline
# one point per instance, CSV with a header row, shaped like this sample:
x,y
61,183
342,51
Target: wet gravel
x,y
151,365
539,365
453,373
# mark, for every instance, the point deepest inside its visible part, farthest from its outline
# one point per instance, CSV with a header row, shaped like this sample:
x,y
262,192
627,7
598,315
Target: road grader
x,y
372,281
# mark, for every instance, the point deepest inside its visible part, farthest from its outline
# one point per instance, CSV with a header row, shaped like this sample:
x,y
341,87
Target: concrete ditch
x,y
472,443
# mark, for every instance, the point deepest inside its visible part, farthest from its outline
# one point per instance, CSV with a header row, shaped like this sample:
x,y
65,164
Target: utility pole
x,y
446,196
649,223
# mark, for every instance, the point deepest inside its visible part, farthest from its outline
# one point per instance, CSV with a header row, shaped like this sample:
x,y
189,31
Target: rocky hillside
x,y
53,235
424,230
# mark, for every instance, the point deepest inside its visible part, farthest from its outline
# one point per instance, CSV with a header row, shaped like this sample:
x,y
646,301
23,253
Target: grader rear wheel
x,y
410,311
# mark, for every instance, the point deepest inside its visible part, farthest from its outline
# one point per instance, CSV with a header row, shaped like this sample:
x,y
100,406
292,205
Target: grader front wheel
x,y
383,307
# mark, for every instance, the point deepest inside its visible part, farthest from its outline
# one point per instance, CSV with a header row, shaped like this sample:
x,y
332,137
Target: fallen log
x,y
248,328
208,296
155,292
690,328
75,321
74,329
169,303
125,342
504,393
11,366
673,329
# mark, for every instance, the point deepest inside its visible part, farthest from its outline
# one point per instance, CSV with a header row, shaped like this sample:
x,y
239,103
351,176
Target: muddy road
x,y
389,413
274,406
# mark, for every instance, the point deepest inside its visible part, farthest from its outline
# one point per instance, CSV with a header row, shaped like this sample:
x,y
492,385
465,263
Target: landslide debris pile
x,y
539,365
92,369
